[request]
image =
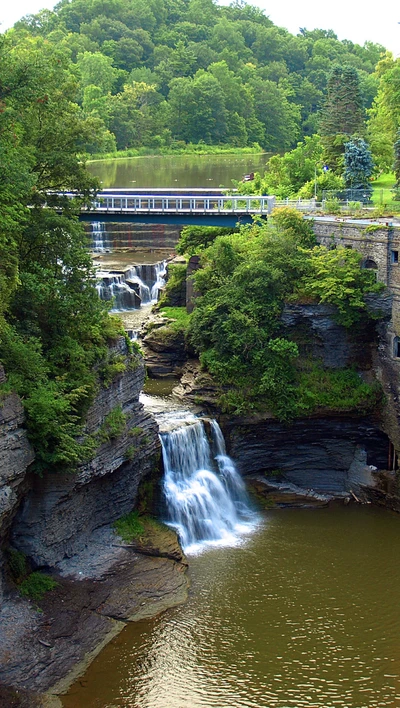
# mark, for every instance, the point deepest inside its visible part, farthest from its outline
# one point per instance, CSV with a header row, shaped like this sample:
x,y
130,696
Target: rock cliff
x,y
63,524
15,456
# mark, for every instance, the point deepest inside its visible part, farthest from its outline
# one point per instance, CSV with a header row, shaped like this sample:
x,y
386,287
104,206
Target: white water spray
x,y
206,499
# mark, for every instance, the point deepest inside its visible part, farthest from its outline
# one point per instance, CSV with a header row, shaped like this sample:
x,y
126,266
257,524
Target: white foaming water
x,y
160,273
139,285
206,499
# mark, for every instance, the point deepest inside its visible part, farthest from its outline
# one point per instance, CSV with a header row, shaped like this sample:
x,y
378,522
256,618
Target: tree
x,y
385,112
53,327
97,70
358,167
342,115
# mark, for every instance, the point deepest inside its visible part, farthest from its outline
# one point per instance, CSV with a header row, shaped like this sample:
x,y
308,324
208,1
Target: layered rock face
x,y
15,456
64,525
327,454
61,511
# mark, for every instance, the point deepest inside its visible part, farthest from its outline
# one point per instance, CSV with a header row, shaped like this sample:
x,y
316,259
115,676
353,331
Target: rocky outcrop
x,y
16,454
49,649
64,525
314,328
197,386
329,455
60,512
164,349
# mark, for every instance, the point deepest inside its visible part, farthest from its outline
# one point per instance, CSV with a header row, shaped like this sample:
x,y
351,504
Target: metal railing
x,y
172,204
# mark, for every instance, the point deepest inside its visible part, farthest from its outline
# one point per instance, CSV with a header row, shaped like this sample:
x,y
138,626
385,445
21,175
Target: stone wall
x,y
379,245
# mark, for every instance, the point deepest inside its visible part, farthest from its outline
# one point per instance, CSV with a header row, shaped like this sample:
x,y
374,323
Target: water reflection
x,y
305,613
177,171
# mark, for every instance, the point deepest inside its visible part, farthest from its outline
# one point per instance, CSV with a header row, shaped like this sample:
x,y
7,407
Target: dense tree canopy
x,y
53,327
217,74
236,326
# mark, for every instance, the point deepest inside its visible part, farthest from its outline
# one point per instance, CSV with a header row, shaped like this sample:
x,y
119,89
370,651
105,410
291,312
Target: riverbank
x,y
178,149
47,643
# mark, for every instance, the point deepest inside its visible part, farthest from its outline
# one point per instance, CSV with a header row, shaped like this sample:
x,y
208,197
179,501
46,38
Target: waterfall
x,y
205,496
100,243
136,286
160,273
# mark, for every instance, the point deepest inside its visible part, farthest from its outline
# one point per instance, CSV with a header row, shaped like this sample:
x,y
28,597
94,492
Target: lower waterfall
x,y
206,499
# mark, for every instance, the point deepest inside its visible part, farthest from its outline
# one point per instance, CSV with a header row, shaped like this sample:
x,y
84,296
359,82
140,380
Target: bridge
x,y
198,207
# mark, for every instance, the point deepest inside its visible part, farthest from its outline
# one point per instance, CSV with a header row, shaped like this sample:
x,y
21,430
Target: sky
x,y
350,19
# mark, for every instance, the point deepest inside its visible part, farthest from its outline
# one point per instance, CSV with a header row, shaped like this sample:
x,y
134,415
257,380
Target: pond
x,y
179,171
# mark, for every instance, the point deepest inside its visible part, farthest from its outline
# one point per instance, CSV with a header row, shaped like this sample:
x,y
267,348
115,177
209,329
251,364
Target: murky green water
x,y
305,613
177,171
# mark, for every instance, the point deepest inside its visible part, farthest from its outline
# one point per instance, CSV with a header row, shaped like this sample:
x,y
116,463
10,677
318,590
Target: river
x,y
177,171
304,613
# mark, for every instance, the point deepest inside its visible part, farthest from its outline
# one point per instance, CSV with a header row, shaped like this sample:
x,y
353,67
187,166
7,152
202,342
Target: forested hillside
x,y
158,73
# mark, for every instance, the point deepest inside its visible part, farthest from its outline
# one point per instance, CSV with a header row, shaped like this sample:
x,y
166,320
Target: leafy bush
x,y
175,290
194,239
179,318
36,585
114,426
16,563
236,327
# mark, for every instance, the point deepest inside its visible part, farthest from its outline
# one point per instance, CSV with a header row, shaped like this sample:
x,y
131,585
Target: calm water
x,y
305,613
177,171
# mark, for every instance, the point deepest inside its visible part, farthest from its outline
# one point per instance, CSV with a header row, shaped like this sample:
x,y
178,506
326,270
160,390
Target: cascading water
x,y
160,273
136,286
100,242
205,496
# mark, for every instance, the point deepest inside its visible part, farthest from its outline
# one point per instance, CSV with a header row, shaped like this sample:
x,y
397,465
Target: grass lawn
x,y
382,192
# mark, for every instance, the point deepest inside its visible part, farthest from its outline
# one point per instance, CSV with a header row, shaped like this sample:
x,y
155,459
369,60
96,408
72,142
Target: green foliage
x,y
342,115
113,426
36,585
334,389
129,527
194,239
111,369
174,292
17,564
130,452
290,221
358,166
179,318
286,174
236,327
335,277
164,75
53,328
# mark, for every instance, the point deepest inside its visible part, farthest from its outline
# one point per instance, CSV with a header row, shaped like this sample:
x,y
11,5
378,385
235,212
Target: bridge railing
x,y
148,203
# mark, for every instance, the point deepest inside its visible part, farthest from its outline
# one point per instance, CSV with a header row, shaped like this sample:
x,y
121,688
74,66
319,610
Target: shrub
x,y
36,585
113,426
16,563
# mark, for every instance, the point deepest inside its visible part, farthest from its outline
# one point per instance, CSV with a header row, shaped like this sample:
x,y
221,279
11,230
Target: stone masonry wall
x,y
379,245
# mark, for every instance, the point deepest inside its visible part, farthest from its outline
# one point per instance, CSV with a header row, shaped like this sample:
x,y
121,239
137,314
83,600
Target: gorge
x,y
64,523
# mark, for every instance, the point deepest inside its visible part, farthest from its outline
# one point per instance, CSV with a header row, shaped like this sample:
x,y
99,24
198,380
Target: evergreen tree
x,y
358,167
342,115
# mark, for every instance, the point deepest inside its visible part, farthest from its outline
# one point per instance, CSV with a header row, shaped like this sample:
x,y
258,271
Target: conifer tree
x,y
358,168
342,115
